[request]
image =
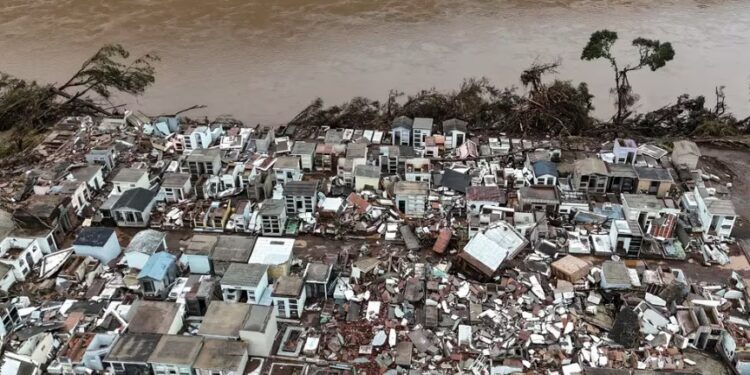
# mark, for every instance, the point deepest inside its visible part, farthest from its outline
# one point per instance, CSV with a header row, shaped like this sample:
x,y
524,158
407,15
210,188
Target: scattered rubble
x,y
169,245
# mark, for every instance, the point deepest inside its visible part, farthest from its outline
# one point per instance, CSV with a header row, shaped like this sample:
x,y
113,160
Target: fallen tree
x,y
555,108
558,108
28,107
539,108
545,109
689,117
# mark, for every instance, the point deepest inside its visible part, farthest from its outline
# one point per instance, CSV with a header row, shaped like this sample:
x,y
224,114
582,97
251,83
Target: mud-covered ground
x,y
736,162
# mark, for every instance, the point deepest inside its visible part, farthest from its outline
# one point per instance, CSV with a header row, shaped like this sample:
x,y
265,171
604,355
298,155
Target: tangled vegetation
x,y
539,107
556,108
28,107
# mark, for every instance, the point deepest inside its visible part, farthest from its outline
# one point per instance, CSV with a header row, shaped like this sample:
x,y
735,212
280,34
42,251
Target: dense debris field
x,y
137,245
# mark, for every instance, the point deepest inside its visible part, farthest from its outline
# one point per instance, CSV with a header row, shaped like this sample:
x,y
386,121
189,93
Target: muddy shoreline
x,y
263,61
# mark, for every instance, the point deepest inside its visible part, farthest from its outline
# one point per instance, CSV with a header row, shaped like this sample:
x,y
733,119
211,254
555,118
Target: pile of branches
x,y
27,107
558,108
476,101
27,104
689,117
358,113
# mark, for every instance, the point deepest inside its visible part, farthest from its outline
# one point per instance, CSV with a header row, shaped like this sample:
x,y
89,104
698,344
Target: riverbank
x,y
262,61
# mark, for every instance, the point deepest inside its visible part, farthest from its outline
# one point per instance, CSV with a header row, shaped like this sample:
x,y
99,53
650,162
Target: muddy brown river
x,y
264,60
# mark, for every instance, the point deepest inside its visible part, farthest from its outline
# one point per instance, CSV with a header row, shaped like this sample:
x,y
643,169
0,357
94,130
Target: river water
x,y
264,60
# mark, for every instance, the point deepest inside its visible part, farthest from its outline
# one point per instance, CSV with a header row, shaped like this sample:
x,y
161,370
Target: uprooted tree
x,y
27,107
558,108
652,54
546,108
552,108
690,116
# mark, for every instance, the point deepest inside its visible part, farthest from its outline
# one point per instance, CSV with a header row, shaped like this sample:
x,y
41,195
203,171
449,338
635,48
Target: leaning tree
x,y
27,107
652,54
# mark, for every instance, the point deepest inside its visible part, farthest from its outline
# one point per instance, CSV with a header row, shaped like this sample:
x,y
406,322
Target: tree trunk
x,y
620,99
84,103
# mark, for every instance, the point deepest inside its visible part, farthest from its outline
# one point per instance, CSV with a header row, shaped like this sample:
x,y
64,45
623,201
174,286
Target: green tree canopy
x,y
108,69
28,106
652,54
